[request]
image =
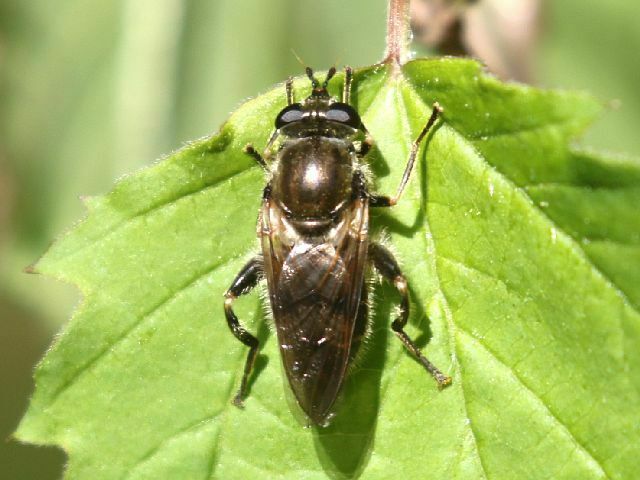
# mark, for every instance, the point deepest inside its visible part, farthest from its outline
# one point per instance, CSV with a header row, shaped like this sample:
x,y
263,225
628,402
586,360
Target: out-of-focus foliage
x,y
90,90
596,46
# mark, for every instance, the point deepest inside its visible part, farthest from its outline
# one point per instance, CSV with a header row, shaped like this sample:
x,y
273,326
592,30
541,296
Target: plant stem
x,y
398,32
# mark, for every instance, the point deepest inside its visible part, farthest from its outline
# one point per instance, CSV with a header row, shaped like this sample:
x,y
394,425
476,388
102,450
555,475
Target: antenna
x,y
330,74
314,80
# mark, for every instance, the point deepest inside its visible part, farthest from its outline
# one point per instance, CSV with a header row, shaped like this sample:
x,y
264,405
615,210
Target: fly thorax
x,y
312,181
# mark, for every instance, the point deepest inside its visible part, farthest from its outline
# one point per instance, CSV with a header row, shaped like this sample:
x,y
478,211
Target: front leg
x,y
250,150
244,282
253,153
388,267
346,91
289,89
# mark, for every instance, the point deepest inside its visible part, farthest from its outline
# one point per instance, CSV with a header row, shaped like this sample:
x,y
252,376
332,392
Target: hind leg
x,y
388,267
244,282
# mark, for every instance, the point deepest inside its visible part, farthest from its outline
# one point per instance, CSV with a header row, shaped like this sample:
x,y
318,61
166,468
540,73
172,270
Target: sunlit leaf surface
x,y
523,258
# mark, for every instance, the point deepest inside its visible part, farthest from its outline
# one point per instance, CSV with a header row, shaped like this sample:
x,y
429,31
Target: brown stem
x,y
398,32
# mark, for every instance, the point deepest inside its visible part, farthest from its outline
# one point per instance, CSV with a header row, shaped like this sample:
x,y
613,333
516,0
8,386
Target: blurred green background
x,y
93,89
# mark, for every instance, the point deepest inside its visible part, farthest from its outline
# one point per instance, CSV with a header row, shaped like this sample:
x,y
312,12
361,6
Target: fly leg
x,y
289,88
253,153
346,91
248,277
388,267
385,201
363,147
250,150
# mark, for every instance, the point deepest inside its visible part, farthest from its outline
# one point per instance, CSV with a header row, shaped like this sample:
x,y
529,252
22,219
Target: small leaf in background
x,y
522,256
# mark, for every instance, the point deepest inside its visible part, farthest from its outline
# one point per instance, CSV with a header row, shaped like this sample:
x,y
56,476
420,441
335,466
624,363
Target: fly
x,y
314,232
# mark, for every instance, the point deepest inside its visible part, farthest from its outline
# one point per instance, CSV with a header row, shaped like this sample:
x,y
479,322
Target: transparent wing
x,y
315,288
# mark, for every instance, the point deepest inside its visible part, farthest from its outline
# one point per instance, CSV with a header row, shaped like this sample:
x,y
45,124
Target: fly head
x,y
319,114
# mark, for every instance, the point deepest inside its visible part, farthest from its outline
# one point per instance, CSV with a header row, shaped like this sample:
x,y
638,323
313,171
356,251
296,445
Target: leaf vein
x,y
153,208
560,123
191,427
568,185
575,246
128,330
589,456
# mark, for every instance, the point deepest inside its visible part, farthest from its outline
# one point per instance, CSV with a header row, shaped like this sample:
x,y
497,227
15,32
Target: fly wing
x,y
315,287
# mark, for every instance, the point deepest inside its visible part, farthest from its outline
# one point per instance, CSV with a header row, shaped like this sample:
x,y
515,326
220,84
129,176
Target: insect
x,y
313,228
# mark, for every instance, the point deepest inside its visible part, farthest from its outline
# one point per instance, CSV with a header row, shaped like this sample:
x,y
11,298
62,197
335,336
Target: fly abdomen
x,y
314,323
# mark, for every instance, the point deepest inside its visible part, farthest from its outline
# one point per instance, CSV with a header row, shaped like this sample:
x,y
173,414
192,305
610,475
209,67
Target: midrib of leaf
x,y
429,243
378,102
393,363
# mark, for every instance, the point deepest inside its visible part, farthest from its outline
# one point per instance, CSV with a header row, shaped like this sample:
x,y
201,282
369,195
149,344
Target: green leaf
x,y
522,257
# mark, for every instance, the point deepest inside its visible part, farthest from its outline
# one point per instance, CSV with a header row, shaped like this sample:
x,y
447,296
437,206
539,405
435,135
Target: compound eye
x,y
343,113
290,114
